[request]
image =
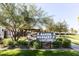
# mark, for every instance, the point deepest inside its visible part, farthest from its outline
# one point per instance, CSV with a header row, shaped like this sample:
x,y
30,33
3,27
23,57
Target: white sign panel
x,y
46,36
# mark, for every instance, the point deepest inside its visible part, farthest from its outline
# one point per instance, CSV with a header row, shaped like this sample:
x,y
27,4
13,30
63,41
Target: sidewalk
x,y
4,48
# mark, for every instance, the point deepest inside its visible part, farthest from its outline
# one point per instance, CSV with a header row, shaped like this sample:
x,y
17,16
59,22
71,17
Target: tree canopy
x,y
27,16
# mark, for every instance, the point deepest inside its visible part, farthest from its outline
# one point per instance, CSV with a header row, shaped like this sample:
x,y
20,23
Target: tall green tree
x,y
33,16
61,27
49,24
12,19
20,16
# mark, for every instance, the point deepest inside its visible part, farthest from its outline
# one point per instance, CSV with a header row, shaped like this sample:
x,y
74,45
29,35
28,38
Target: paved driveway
x,y
75,46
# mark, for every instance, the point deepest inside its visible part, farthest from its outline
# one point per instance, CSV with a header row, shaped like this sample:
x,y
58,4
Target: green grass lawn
x,y
38,53
73,38
76,37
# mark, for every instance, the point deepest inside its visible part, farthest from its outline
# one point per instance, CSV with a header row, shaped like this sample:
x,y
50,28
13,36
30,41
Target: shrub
x,y
66,43
62,42
22,42
59,39
8,42
31,43
58,43
36,44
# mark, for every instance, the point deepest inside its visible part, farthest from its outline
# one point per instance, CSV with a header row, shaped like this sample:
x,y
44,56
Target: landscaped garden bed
x,y
59,43
62,43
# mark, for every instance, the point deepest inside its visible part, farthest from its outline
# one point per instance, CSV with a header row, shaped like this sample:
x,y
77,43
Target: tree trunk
x,y
14,35
59,34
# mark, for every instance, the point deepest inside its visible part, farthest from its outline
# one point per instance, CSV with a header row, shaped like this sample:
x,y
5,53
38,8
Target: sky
x,y
63,11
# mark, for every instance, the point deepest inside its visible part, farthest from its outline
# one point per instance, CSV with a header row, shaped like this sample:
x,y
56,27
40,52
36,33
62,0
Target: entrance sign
x,y
46,36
